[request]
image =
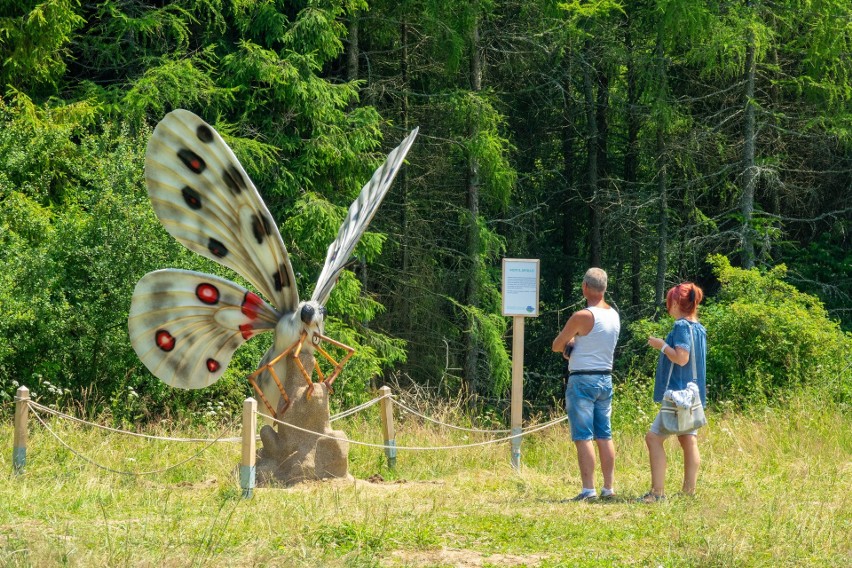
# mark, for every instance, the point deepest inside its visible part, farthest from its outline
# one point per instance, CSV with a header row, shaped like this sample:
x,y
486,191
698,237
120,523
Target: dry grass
x,y
774,490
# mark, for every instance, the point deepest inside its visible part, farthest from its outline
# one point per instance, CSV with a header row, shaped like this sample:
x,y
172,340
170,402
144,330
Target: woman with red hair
x,y
687,339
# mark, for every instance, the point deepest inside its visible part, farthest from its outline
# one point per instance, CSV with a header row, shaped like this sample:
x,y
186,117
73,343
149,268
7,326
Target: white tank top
x,y
594,351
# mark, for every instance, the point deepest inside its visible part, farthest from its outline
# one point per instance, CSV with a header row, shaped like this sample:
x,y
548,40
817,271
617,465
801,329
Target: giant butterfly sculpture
x,y
184,325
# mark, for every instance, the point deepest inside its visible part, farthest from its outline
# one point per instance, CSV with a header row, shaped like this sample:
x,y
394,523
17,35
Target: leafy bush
x,y
766,340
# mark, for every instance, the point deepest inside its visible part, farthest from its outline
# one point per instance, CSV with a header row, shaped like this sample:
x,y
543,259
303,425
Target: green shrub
x,y
766,338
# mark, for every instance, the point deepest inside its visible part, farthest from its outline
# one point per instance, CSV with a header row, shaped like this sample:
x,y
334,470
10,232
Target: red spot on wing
x,y
251,305
165,340
213,365
247,330
207,293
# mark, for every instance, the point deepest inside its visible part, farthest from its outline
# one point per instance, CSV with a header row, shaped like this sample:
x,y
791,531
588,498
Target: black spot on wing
x,y
204,133
191,160
233,179
217,248
173,363
191,197
390,173
233,342
259,227
281,279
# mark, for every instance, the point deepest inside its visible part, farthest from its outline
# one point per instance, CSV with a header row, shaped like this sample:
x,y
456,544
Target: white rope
x,y
94,463
412,411
358,408
117,431
423,416
423,448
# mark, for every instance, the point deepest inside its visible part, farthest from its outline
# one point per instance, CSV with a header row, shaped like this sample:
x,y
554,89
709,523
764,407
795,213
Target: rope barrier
x,y
120,472
34,406
412,411
117,431
358,408
422,448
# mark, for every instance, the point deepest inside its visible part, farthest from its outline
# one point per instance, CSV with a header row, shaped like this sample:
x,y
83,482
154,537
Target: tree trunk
x,y
402,181
569,216
662,244
602,126
352,56
354,53
592,166
631,166
472,293
749,169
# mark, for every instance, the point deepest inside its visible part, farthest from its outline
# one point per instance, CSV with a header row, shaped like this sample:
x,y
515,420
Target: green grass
x,y
773,491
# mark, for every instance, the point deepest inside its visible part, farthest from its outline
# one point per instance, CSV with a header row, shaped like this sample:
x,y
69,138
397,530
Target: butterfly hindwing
x,y
205,199
185,326
359,216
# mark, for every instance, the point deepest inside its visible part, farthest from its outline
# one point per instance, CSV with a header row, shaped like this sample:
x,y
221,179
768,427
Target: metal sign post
x,y
520,300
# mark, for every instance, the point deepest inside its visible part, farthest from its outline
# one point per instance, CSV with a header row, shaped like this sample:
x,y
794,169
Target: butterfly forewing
x,y
205,199
185,326
359,216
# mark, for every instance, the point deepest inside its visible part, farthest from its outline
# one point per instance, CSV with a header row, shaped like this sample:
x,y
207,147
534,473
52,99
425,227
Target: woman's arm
x,y
677,355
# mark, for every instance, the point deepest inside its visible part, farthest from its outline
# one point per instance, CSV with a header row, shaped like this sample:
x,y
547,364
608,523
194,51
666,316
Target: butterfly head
x,y
312,315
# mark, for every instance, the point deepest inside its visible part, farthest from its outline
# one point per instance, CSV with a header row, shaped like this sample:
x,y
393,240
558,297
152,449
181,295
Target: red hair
x,y
686,297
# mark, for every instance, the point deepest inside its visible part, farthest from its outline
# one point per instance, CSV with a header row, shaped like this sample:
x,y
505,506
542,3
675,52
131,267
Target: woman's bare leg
x,y
691,461
657,455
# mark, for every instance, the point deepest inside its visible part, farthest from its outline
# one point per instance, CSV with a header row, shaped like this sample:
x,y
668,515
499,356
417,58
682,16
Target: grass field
x,y
774,490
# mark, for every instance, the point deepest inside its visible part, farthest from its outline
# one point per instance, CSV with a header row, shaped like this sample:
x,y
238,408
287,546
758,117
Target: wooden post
x,y
388,432
22,415
517,388
247,465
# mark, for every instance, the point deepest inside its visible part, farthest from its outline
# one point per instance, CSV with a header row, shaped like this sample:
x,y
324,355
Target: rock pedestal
x,y
293,455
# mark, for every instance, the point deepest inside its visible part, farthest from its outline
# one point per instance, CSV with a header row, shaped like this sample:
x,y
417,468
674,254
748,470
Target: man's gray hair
x,y
595,279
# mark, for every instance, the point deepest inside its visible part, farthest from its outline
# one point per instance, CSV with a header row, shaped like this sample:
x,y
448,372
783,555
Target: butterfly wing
x,y
205,199
359,216
185,326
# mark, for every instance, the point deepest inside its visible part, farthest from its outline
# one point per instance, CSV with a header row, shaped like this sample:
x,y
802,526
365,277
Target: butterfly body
x,y
185,325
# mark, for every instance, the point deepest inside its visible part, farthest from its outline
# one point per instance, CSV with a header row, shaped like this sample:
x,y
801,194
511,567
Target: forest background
x,y
663,140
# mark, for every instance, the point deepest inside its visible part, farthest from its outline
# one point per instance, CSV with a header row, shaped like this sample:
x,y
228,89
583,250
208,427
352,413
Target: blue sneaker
x,y
584,496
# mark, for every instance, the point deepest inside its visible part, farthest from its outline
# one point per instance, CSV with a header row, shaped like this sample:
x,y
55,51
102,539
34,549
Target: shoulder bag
x,y
683,420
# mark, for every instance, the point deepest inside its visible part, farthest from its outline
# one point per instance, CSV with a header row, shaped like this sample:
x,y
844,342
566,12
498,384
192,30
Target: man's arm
x,y
580,323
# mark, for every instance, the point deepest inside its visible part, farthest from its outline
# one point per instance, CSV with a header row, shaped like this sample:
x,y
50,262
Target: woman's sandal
x,y
651,497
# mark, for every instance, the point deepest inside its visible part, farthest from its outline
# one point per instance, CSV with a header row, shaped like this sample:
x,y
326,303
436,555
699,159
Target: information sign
x,y
520,287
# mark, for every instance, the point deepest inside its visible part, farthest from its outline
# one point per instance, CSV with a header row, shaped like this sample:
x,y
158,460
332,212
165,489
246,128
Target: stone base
x,y
293,455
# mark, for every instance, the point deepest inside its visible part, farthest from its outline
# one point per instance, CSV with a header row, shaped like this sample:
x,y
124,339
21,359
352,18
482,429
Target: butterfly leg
x,y
270,367
338,367
305,373
259,392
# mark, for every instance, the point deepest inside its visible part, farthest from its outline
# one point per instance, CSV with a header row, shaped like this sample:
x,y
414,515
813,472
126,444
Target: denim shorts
x,y
588,399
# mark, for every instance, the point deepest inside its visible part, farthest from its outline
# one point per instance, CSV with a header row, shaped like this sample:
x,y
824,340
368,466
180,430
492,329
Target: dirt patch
x,y
461,558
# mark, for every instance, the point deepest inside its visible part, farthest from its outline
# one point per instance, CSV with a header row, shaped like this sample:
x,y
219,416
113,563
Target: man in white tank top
x,y
590,336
